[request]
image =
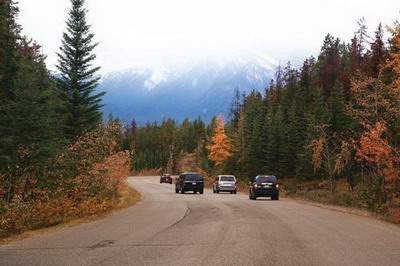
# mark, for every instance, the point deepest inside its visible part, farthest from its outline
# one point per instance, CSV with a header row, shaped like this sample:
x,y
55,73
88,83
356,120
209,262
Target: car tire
x,y
202,191
234,192
252,196
182,191
217,191
176,190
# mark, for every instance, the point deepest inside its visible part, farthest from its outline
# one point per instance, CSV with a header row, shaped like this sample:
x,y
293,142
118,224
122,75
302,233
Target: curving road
x,y
212,229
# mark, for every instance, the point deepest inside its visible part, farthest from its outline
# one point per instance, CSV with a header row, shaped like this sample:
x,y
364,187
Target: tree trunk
x,y
11,188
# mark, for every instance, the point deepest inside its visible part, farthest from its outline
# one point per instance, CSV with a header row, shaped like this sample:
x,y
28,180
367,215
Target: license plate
x,y
194,183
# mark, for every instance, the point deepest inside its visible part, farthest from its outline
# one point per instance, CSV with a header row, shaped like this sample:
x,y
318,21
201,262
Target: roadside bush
x,y
86,179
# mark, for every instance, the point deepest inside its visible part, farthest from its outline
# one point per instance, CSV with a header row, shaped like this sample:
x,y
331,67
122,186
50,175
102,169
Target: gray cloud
x,y
153,31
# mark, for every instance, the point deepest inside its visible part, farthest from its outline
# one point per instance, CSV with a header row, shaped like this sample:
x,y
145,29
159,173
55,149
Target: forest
x,y
58,160
335,119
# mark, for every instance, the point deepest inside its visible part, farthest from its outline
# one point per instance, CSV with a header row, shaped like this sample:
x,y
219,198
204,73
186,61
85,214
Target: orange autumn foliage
x,y
89,178
393,63
375,150
375,106
220,147
317,148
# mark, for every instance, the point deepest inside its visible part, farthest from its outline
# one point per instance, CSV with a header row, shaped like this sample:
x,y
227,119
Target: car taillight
x,y
255,185
277,185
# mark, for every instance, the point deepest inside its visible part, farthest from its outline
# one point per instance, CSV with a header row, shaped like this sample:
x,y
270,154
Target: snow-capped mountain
x,y
187,90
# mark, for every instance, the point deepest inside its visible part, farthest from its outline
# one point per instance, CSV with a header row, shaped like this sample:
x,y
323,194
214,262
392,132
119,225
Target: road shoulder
x,y
129,197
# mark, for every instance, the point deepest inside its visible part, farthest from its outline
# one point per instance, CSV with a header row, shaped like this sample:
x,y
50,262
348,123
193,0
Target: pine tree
x,y
393,62
28,106
274,152
362,36
9,36
187,136
78,78
355,55
235,109
256,145
300,118
254,134
378,53
329,64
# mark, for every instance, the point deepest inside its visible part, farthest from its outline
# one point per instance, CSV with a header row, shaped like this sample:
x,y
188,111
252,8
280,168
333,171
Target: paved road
x,y
212,229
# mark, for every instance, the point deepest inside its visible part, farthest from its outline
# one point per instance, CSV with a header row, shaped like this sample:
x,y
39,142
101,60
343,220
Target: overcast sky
x,y
133,32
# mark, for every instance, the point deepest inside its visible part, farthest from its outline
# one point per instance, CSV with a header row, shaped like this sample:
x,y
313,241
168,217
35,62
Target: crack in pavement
x,y
120,246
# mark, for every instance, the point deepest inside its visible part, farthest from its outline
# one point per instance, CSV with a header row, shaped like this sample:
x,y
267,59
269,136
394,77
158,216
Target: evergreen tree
x,y
187,136
355,55
28,106
235,109
253,134
329,64
378,53
78,78
9,36
274,152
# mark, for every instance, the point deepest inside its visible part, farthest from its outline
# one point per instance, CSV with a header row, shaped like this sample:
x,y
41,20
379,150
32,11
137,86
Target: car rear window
x,y
193,178
227,178
266,179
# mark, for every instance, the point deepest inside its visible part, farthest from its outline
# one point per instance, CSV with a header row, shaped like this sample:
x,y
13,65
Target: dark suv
x,y
166,178
264,186
190,182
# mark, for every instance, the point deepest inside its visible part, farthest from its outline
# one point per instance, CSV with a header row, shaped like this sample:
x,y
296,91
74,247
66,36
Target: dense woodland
x,y
335,118
58,160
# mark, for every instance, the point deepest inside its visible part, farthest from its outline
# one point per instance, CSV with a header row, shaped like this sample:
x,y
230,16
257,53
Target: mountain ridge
x,y
200,89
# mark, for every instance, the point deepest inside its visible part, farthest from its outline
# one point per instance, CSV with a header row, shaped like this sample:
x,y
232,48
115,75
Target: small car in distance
x,y
166,178
225,183
264,186
190,182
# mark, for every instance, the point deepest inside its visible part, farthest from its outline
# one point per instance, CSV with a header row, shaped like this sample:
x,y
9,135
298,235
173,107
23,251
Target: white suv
x,y
225,183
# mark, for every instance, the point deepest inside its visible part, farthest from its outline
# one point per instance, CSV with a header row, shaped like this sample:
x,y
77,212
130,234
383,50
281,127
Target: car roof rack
x,y
191,173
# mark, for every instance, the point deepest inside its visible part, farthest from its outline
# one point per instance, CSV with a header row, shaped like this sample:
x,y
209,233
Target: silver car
x,y
225,183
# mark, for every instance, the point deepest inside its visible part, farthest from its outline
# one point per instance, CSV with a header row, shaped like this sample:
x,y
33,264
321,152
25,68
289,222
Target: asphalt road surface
x,y
212,229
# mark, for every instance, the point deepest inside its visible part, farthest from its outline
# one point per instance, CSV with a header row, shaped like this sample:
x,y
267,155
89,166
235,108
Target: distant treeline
x,y
159,145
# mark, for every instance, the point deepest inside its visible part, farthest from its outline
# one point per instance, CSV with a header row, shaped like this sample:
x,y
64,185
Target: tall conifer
x,y
9,34
78,77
